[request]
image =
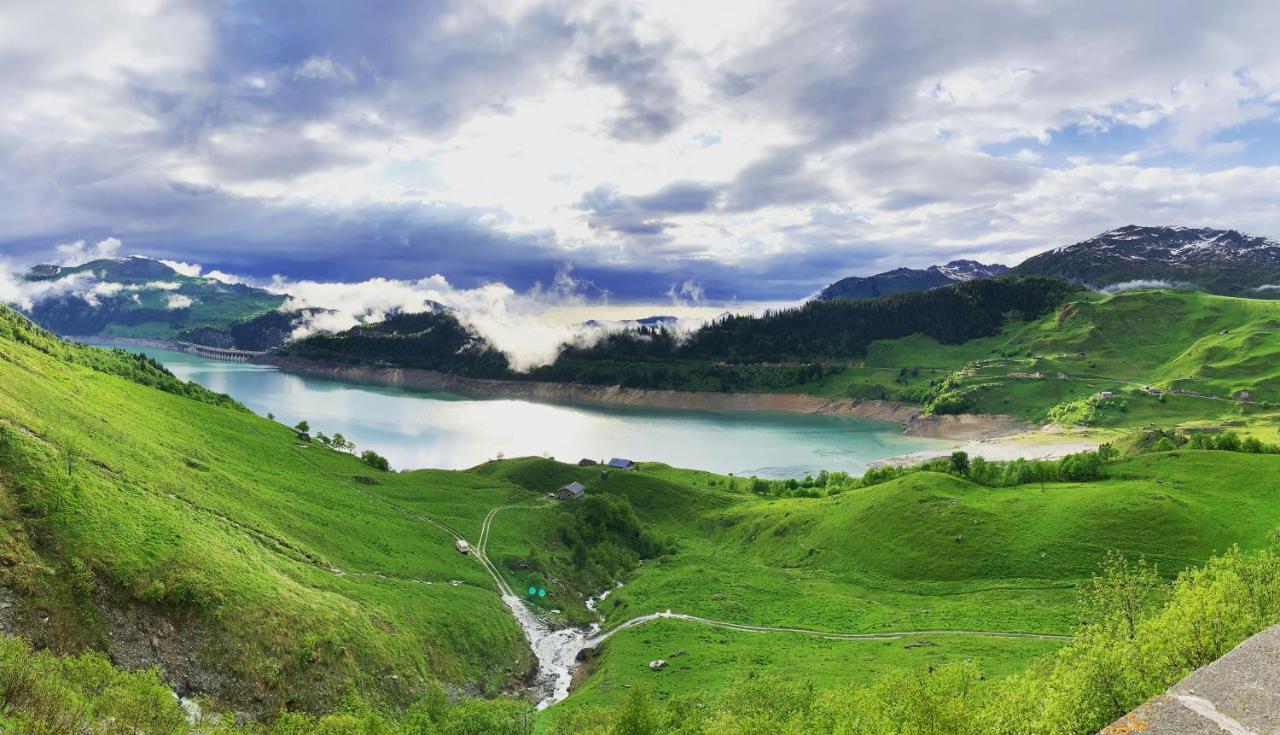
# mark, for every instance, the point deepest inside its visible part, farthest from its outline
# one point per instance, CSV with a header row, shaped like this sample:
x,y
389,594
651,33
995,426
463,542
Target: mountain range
x,y
138,297
143,298
903,280
1226,262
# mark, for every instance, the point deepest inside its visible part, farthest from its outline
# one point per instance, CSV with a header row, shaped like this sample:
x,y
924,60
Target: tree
x,y
375,460
341,444
1120,592
960,463
303,426
639,716
271,416
70,451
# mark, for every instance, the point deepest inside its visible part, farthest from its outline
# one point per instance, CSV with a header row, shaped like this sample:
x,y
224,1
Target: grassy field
x,y
301,573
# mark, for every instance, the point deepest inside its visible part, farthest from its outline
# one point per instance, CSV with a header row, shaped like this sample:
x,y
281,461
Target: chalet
x,y
1106,395
571,491
462,546
622,464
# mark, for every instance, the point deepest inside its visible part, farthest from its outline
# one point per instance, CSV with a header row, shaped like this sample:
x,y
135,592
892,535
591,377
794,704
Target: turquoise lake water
x,y
423,429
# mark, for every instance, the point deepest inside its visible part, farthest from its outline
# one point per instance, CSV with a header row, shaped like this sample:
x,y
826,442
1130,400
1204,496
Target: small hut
x,y
571,491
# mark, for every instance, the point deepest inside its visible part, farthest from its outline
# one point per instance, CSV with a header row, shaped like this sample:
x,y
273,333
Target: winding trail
x,y
830,635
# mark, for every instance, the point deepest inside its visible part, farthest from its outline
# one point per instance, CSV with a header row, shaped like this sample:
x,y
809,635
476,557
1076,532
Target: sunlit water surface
x,y
425,429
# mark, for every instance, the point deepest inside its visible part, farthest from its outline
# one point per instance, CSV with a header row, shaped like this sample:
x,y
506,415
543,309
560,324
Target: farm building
x,y
462,546
619,463
587,463
571,491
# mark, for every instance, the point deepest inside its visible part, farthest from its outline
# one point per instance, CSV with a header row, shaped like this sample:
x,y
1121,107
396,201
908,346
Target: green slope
x,y
298,580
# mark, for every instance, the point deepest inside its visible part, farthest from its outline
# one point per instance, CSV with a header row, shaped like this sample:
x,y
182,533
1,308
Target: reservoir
x,y
416,429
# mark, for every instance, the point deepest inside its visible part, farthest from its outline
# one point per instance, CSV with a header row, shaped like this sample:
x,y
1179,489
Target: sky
x,y
665,151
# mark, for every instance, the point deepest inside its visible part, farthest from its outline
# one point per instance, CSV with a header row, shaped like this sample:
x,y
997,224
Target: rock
x,y
657,664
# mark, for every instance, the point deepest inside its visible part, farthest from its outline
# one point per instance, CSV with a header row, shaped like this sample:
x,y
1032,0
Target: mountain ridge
x,y
903,280
1225,262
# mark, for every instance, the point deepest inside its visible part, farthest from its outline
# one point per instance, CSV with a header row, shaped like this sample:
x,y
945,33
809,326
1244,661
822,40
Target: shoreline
x,y
1034,444
960,427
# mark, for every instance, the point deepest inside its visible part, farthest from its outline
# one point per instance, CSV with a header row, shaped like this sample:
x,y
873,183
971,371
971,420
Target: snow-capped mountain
x,y
1219,261
902,280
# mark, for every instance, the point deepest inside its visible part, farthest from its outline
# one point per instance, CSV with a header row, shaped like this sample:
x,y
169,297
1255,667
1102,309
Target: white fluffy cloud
x,y
75,253
191,270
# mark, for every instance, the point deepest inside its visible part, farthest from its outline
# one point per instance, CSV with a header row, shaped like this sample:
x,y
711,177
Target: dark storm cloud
x,y
651,108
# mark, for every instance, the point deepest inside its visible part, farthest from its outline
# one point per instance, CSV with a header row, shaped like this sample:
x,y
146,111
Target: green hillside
x,y
169,527
288,578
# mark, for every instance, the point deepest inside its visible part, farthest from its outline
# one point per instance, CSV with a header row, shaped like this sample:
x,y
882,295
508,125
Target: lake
x,y
416,429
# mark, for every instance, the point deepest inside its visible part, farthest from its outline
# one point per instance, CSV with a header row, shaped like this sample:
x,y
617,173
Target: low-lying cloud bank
x,y
1142,284
529,326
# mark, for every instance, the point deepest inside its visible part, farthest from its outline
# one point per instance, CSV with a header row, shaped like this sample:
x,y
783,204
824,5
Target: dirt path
x,y
830,635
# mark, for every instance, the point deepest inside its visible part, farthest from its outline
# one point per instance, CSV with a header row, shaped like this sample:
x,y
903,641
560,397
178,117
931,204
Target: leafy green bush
x,y
375,460
606,538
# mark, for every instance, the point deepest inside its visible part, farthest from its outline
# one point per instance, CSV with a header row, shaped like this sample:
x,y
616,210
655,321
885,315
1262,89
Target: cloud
x,y
1142,284
178,301
688,292
17,291
228,278
322,67
760,152
76,253
651,107
512,321
191,270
